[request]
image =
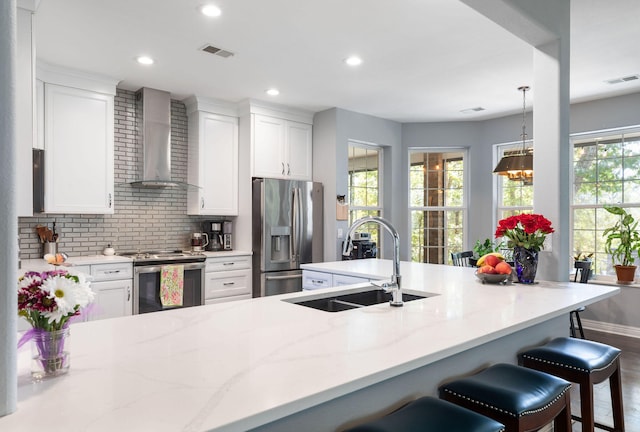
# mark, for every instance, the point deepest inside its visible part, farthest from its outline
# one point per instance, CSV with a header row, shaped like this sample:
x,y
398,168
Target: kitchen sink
x,y
354,298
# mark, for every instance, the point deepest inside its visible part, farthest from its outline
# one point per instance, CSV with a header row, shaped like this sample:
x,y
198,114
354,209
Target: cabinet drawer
x,y
312,280
217,264
112,271
227,284
340,280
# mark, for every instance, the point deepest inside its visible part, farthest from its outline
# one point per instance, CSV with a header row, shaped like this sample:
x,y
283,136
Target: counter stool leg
x,y
586,406
615,386
562,422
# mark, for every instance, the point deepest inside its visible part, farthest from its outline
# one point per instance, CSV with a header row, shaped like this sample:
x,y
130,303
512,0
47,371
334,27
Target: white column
x,y
552,153
8,215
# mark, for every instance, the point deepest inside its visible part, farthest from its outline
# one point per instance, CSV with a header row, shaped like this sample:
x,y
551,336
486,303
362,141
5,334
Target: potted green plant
x,y
481,248
622,243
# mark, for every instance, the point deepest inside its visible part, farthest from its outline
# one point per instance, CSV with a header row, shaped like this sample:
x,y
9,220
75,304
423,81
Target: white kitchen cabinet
x,y
341,280
113,287
227,278
78,119
312,280
213,164
281,148
112,300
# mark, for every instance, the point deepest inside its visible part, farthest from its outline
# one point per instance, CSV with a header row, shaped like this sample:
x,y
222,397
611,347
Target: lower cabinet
x,y
312,280
227,279
113,287
113,299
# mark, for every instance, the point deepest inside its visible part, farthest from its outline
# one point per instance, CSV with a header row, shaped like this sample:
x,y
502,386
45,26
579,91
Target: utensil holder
x,y
49,248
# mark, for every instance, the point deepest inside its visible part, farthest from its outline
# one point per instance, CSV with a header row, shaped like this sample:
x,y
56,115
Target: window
x,y
514,197
437,204
364,186
606,170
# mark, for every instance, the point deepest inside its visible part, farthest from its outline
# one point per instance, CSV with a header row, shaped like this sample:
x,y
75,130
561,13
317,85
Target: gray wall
x,y
463,135
143,218
332,130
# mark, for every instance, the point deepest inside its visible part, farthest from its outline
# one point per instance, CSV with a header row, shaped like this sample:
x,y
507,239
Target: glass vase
x,y
49,353
526,261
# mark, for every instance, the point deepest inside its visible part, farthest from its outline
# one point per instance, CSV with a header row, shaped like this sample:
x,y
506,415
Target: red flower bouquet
x,y
525,230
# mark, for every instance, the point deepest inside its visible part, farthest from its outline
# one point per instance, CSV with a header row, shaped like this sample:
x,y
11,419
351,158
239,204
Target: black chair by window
x,y
582,274
461,259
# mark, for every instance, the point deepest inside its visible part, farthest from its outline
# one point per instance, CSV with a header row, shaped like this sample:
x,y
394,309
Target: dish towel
x,y
171,285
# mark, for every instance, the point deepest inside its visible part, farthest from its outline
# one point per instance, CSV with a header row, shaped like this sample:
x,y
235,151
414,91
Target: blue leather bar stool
x,y
522,399
428,414
586,363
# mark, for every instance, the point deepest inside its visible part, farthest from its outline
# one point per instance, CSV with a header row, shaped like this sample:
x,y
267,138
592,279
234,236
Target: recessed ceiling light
x,y
145,60
353,61
211,11
272,92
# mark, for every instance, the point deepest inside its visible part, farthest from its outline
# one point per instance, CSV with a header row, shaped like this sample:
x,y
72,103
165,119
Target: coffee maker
x,y
227,235
214,229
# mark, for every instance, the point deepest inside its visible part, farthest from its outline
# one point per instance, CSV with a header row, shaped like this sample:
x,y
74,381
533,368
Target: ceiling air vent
x,y
217,51
623,79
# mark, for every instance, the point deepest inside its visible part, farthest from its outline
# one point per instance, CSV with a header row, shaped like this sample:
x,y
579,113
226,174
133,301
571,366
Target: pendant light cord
x,y
524,124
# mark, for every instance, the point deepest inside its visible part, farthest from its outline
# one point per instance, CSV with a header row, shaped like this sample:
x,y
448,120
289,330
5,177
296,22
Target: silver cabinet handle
x,y
109,200
288,169
111,271
228,283
128,293
202,203
282,167
318,282
228,264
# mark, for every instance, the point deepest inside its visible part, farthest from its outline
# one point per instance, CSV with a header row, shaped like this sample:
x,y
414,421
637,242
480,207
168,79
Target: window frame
x,y
594,135
464,208
380,207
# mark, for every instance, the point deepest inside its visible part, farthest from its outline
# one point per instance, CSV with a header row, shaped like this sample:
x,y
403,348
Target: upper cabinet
x,y
281,148
25,109
212,158
281,141
78,114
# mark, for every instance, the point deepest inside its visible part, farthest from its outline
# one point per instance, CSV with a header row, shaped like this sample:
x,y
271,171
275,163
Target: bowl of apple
x,y
493,269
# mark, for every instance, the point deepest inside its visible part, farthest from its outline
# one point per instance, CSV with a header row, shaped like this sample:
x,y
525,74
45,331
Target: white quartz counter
x,y
239,365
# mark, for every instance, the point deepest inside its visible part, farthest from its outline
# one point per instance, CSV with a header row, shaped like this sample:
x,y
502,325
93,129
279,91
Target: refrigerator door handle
x,y
297,276
295,225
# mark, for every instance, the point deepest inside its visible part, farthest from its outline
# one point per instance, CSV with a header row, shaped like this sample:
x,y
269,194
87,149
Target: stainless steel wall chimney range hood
x,y
153,123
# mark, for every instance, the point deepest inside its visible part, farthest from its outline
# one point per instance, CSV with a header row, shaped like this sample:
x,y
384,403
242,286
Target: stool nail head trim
x,y
566,366
516,415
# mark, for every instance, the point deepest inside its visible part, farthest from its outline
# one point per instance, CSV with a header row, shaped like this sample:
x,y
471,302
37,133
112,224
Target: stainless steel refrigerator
x,y
287,232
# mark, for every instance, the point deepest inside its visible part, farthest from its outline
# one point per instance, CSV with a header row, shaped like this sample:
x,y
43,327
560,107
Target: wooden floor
x,y
630,364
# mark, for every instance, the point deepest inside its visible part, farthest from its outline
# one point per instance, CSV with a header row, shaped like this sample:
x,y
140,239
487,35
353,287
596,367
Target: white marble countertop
x,y
235,366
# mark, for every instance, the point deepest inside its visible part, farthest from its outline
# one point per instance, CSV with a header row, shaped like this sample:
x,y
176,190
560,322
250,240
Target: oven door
x,y
146,288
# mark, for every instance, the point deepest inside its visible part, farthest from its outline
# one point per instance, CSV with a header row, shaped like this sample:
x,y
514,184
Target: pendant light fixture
x,y
518,166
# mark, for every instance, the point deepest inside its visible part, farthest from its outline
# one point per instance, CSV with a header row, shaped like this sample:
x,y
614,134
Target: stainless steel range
x,y
147,267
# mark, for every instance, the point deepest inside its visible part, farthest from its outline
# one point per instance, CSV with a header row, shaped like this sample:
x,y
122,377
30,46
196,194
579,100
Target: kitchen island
x,y
271,365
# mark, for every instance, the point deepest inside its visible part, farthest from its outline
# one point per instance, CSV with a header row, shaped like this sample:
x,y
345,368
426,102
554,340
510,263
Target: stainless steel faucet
x,y
394,285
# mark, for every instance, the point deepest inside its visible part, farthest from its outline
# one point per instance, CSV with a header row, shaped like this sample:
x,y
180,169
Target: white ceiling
x,y
423,60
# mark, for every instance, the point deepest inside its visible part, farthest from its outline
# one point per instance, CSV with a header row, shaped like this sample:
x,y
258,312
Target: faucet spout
x,y
394,286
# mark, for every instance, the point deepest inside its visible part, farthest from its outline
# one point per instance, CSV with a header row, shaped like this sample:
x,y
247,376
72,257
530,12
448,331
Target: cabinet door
x,y
217,166
312,280
341,280
227,284
268,147
113,299
78,151
299,151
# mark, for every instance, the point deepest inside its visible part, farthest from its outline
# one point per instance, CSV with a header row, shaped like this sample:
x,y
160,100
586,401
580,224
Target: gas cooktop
x,y
164,256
